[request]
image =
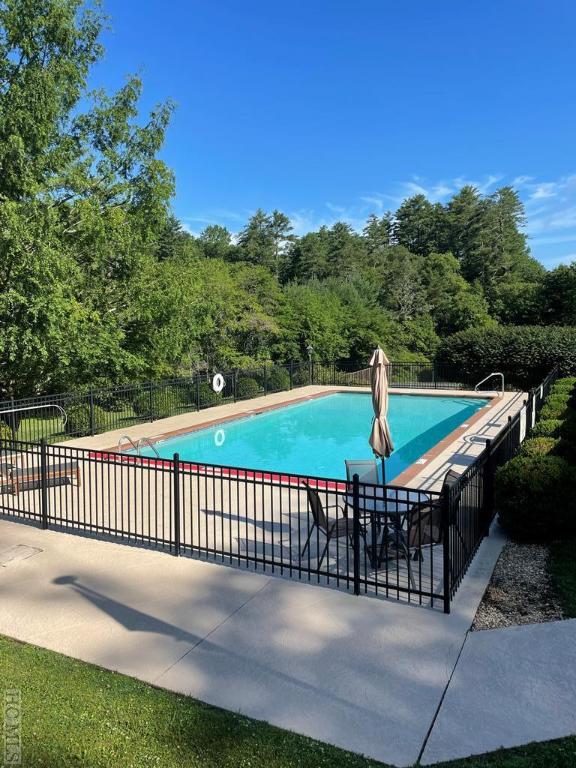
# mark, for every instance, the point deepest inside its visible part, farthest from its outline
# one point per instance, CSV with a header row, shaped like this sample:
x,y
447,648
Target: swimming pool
x,y
316,436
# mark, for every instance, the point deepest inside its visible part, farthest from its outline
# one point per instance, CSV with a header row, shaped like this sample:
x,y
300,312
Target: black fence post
x,y
356,531
446,565
176,476
197,392
150,401
291,374
488,488
234,385
91,401
265,379
43,484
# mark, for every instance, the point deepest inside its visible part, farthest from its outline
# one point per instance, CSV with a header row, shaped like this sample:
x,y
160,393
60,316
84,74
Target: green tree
x,y
558,296
256,242
417,225
82,199
215,242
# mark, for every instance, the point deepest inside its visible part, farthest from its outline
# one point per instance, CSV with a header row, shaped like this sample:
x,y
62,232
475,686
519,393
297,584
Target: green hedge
x,y
78,419
567,384
556,407
278,379
536,497
547,428
525,354
247,387
165,401
539,446
207,395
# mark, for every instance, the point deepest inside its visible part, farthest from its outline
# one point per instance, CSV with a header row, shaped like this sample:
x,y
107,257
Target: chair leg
x,y
308,540
323,555
409,566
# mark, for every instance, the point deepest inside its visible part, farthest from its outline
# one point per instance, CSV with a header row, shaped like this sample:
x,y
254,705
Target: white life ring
x,y
219,438
218,382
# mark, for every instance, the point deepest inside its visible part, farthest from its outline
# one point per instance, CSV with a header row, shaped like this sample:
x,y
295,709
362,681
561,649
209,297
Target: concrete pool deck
x,y
457,450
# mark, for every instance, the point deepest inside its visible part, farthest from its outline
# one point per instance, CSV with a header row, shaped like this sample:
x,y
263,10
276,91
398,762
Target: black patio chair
x,y
335,528
421,526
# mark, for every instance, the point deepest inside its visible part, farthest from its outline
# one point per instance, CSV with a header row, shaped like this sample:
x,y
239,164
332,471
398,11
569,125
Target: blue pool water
x,y
315,437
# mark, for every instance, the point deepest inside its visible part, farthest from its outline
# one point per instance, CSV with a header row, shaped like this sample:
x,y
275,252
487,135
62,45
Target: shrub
x,y
547,428
278,379
536,497
555,408
301,376
78,419
247,387
164,402
567,384
207,395
525,354
540,446
5,432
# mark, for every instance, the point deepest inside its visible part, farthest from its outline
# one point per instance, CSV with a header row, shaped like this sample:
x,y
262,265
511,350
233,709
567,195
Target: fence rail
x,y
377,540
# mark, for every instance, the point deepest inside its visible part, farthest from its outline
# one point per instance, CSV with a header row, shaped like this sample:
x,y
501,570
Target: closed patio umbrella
x,y
380,437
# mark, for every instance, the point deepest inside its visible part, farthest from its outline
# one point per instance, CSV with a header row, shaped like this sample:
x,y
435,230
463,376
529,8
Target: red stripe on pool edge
x,y
209,471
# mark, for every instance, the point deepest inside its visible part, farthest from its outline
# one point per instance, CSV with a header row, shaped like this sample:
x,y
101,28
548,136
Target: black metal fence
x,y
62,416
380,540
470,501
370,539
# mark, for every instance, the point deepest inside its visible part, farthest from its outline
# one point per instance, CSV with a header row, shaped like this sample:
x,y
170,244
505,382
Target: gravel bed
x,y
519,591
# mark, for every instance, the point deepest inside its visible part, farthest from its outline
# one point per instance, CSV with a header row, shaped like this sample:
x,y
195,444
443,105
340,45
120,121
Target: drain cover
x,y
16,553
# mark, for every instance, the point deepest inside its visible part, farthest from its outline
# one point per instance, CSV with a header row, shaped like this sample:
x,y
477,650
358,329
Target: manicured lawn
x,y
75,714
563,573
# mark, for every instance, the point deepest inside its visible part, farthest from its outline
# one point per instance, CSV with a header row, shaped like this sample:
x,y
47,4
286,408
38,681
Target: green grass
x,y
76,714
563,574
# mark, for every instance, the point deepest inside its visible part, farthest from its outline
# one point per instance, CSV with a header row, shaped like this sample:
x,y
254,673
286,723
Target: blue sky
x,y
332,110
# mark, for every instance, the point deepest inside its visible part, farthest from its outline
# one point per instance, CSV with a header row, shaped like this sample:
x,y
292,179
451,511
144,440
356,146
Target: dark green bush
x,y
540,446
111,401
78,419
547,428
301,376
247,387
278,379
207,395
525,354
536,497
163,402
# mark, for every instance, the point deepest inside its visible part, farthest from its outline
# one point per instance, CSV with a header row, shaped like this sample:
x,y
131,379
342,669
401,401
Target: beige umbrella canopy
x,y
380,437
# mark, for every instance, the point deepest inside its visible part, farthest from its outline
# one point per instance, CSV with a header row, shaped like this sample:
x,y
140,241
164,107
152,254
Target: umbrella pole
x,y
383,471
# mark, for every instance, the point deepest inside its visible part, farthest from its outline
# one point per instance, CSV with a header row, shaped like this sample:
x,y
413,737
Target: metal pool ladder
x,y
138,446
495,373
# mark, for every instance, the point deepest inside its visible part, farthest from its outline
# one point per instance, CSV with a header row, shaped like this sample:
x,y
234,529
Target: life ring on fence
x,y
219,438
218,382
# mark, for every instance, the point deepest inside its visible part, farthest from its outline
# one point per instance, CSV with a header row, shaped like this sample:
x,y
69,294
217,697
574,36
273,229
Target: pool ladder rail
x,y
487,378
138,445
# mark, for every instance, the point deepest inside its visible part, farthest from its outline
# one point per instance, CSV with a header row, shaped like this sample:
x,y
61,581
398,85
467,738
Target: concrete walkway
x,y
363,674
519,683
367,675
